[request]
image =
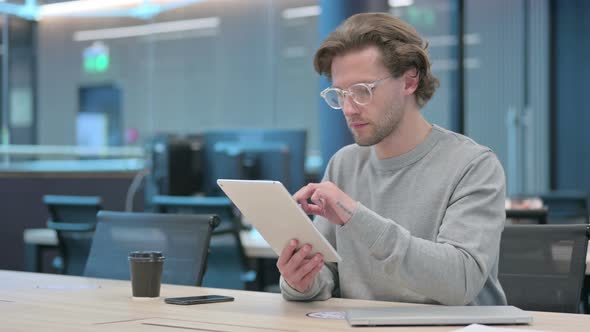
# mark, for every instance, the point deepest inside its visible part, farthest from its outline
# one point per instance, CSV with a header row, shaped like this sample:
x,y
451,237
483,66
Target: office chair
x,y
221,206
228,264
527,216
183,239
74,220
542,267
566,207
569,207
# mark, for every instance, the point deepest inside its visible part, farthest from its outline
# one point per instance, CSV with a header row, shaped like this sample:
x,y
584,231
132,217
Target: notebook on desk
x,y
437,315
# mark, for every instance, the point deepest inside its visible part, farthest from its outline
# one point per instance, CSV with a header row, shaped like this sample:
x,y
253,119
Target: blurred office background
x,y
94,88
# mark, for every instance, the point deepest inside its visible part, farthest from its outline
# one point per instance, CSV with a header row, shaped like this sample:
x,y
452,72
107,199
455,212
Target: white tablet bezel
x,y
271,209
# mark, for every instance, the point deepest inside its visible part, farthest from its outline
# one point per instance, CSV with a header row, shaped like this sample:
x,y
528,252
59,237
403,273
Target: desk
x,y
39,302
36,240
255,245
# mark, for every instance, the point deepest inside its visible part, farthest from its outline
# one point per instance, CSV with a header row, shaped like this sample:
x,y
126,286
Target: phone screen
x,y
198,299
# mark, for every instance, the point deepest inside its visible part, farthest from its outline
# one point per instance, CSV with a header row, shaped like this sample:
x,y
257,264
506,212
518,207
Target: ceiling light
x,y
400,3
79,6
147,29
299,12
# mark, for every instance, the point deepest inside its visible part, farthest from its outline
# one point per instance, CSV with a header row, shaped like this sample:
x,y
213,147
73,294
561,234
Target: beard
x,y
381,128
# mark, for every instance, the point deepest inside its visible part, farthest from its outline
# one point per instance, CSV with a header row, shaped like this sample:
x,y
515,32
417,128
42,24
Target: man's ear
x,y
411,80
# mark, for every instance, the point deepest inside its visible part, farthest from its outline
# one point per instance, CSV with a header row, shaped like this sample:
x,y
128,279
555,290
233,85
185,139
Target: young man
x,y
415,211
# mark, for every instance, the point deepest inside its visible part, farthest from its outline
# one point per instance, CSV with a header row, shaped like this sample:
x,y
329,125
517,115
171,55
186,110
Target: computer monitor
x,y
266,154
176,165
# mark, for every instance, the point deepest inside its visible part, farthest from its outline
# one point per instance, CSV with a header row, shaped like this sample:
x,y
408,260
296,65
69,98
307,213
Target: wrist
x,y
347,211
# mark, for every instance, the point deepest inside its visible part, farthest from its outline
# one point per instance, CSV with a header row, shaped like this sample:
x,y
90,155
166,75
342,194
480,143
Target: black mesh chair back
x,y
74,220
228,264
220,206
183,239
527,216
542,267
566,207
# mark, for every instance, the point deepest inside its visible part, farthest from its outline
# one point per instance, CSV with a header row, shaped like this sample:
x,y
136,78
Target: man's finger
x,y
296,260
313,209
318,199
287,253
304,193
309,277
307,266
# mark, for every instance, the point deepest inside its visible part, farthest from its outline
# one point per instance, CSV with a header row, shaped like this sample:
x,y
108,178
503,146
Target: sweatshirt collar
x,y
409,157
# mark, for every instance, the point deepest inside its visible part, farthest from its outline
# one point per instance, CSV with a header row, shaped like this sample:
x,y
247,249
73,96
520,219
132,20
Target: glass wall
x,y
233,63
17,80
214,64
436,21
507,86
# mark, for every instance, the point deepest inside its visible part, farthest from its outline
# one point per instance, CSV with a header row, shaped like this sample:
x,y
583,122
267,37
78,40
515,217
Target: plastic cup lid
x,y
146,256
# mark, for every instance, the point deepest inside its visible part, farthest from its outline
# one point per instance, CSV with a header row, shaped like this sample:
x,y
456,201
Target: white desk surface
x,y
255,245
40,236
47,302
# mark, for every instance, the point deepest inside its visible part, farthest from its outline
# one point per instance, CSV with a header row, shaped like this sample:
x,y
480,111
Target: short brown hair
x,y
401,48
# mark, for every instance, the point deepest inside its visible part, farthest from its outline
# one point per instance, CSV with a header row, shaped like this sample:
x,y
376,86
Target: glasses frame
x,y
345,92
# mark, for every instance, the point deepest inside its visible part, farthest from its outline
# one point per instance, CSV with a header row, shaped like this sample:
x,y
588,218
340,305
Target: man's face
x,y
371,123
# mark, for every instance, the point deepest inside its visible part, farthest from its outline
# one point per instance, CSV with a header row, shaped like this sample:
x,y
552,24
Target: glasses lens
x,y
332,97
361,94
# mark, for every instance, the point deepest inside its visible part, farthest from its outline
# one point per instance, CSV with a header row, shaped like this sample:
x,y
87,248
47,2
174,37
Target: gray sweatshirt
x,y
426,229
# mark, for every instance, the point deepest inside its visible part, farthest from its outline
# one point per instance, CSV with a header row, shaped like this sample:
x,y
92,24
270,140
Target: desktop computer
x,y
254,154
176,165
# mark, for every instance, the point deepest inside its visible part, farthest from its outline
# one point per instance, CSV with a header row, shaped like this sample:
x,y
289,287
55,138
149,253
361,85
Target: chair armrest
x,y
190,201
71,227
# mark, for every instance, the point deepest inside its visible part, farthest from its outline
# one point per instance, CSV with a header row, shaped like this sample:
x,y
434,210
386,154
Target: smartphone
x,y
198,299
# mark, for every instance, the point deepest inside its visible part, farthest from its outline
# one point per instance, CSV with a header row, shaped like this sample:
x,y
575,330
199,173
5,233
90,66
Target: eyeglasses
x,y
361,94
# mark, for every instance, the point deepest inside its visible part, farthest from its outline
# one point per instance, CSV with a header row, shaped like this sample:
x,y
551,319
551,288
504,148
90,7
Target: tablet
x,y
270,208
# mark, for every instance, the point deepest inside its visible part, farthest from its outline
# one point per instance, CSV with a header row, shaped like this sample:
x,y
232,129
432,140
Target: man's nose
x,y
349,107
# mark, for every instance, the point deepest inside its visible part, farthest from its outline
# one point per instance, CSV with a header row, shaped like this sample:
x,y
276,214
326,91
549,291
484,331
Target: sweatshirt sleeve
x,y
325,281
453,269
321,289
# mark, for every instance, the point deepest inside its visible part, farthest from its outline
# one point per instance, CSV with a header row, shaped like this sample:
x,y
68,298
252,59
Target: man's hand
x,y
297,270
328,201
